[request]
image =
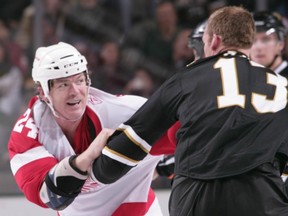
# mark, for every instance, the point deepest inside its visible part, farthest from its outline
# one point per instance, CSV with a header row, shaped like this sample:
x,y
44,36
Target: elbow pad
x,y
62,184
113,170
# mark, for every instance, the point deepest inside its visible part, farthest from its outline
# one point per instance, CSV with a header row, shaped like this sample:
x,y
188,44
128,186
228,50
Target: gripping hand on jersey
x,y
65,180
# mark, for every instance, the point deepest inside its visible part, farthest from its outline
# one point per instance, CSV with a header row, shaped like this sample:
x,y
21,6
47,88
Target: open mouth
x,y
74,103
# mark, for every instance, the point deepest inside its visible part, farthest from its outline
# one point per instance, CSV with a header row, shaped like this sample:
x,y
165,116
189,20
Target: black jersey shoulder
x,y
284,72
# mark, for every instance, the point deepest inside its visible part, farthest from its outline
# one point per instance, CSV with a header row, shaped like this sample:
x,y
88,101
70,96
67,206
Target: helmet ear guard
x,y
57,61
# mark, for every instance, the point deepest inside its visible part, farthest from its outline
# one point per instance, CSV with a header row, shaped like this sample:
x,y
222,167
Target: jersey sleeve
x,y
29,160
134,139
167,143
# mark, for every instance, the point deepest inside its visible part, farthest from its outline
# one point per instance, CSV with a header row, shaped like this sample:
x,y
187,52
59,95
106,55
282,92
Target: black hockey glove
x,y
165,167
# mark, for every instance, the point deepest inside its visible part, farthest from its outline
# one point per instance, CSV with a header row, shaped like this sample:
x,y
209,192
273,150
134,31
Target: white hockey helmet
x,y
57,61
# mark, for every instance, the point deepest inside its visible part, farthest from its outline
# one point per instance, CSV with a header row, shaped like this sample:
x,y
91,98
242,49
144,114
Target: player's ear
x,y
215,42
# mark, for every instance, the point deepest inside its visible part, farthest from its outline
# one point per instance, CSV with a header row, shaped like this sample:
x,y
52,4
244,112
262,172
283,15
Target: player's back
x,y
226,116
231,113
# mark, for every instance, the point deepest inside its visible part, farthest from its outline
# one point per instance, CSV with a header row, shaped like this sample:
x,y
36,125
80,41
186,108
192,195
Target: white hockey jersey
x,y
37,143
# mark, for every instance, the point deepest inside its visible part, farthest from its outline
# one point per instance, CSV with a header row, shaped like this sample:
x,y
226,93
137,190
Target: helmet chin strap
x,y
273,61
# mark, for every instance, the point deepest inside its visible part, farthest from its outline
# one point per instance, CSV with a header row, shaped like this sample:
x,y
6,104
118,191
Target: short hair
x,y
234,24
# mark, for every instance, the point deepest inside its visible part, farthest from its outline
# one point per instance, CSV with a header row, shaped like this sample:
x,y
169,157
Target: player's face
x,y
69,96
265,48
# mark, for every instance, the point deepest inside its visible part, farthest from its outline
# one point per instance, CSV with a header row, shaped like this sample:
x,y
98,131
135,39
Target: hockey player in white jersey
x,y
51,145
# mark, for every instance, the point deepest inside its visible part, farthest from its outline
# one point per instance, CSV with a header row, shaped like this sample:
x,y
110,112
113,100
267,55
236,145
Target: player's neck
x,y
68,127
276,63
244,51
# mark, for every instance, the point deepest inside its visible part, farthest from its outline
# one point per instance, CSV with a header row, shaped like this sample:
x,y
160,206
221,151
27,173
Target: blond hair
x,y
235,25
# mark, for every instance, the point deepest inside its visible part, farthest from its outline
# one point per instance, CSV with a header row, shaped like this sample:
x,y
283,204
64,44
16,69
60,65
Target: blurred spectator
x,y
142,10
141,84
10,83
158,41
182,54
12,11
10,98
16,54
190,13
153,40
53,18
90,19
51,30
56,11
110,75
24,35
281,6
90,51
215,5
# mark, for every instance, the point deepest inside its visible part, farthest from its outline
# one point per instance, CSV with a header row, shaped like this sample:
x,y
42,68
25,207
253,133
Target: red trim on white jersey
x,y
132,209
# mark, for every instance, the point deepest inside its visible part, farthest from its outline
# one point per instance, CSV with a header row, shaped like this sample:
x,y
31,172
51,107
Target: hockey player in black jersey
x,y
232,142
269,42
166,166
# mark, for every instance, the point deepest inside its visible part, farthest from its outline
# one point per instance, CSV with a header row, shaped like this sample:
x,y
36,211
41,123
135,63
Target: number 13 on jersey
x,y
232,97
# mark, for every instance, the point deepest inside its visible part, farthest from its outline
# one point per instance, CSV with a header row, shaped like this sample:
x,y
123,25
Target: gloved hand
x,y
165,167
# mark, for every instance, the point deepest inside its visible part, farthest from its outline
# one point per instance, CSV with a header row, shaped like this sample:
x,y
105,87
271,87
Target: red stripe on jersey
x,y
19,141
135,208
31,176
32,101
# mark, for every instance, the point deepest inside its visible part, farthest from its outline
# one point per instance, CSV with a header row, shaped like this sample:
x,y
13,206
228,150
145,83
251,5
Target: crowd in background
x,y
131,46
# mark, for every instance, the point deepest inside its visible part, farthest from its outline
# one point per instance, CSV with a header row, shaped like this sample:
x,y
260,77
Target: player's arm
x,y
41,177
62,184
29,159
133,140
65,180
165,167
44,181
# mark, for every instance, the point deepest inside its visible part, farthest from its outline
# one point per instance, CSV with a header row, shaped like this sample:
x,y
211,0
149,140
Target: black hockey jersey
x,y
284,69
232,115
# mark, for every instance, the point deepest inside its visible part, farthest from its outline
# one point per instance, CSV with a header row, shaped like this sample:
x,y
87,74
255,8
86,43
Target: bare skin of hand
x,y
85,159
